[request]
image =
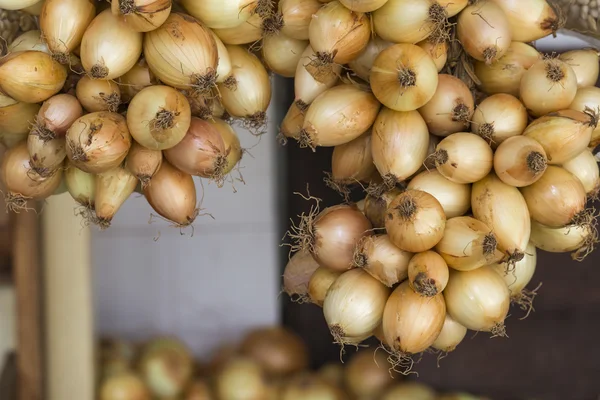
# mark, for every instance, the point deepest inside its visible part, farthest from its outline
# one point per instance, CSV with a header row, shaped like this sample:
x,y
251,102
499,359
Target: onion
x,y
499,117
109,48
306,87
30,40
31,76
362,64
588,98
410,390
376,205
451,107
205,107
46,155
468,244
297,274
143,163
519,277
367,374
478,299
63,24
142,15
579,238
504,75
246,93
385,262
280,352
455,198
250,31
337,35
585,64
549,85
183,53
56,116
319,283
291,126
158,117
332,373
22,182
98,95
166,366
353,306
135,80
411,323
415,221
15,122
363,5
199,390
282,54
563,134
172,194
241,378
219,13
585,168
404,77
464,158
125,385
81,185
221,356
451,335
520,161
437,51
307,386
353,161
98,142
337,116
397,133
296,16
504,210
428,273
529,21
5,100
113,188
16,4
210,149
429,163
484,31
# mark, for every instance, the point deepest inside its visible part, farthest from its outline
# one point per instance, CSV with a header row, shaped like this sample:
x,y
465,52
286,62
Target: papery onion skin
x,y
381,259
30,40
291,126
376,206
588,97
56,116
81,185
415,221
428,273
529,22
520,161
455,198
296,16
580,239
451,335
363,5
98,95
172,194
479,299
142,15
46,155
219,14
319,283
464,157
247,32
498,118
16,121
109,48
408,21
362,64
98,142
282,54
113,188
438,52
297,274
136,79
143,163
353,161
585,168
518,277
306,87
585,64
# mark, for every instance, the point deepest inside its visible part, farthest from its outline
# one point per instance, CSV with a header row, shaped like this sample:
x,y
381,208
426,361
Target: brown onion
x,y
428,273
56,116
291,126
376,206
98,95
520,161
296,16
385,262
241,378
113,188
142,15
319,283
135,80
362,64
15,122
367,374
588,98
143,163
46,156
297,274
499,117
353,162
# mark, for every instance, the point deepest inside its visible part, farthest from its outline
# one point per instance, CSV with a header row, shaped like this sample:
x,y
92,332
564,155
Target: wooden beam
x,y
8,378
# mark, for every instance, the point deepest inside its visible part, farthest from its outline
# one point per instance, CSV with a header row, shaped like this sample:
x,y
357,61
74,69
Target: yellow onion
x,y
520,161
124,385
464,157
504,210
143,163
376,206
585,168
16,4
250,31
307,87
394,133
22,183
305,386
319,283
451,335
63,24
297,274
15,122
455,198
205,107
279,351
468,244
549,85
367,374
135,80
199,389
415,221
142,15
109,48
219,13
404,77
451,107
428,273
5,100
337,116
30,40
113,188
556,199
499,117
224,62
563,134
182,53
437,51
410,390
585,64
353,161
158,117
31,76
337,35
484,31
385,262
98,142
518,277
210,149
362,64
412,322
98,95
504,75
81,185
295,17
353,306
246,93
529,21
579,238
282,54
588,98
291,126
46,155
56,115
478,299
172,194
363,5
